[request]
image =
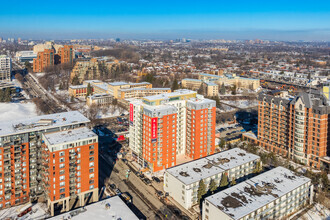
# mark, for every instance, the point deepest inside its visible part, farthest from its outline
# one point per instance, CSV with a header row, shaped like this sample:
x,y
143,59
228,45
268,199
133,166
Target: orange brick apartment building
x,y
295,127
49,58
43,60
165,126
23,168
70,167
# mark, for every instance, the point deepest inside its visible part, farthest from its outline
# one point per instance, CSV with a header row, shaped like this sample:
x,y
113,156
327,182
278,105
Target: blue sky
x,y
287,20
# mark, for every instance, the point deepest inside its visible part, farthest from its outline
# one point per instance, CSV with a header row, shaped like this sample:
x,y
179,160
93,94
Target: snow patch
x,y
14,111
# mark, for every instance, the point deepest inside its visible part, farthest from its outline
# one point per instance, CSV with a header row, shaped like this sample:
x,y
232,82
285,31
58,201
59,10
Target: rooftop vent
x,y
185,174
107,206
197,170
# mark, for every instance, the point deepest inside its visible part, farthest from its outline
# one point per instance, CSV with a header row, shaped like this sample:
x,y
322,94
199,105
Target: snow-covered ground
x,y
242,103
318,212
13,111
110,113
226,108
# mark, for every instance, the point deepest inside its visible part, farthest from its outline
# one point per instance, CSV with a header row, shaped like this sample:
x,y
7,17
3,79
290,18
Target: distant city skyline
x,y
283,20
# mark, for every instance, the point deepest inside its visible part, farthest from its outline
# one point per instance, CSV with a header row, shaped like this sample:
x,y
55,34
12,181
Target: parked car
x,y
156,179
117,191
113,186
159,194
147,181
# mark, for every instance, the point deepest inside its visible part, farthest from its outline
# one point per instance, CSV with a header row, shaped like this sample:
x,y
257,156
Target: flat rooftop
x,y
111,208
118,83
205,167
68,136
250,195
39,212
169,95
144,89
41,123
78,87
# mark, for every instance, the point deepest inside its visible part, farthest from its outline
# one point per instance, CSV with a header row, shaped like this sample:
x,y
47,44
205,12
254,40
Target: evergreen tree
x,y
201,90
223,89
89,90
222,143
72,99
233,91
2,95
224,180
213,186
217,101
75,80
201,190
175,85
7,95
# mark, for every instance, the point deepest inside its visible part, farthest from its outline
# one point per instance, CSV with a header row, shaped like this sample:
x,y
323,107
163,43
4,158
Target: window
x,y
62,177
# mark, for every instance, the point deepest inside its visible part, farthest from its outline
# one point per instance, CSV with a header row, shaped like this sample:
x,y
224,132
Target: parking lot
x,y
234,131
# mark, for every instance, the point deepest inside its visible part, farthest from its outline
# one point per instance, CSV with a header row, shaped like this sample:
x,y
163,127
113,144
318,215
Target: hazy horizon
x,y
283,20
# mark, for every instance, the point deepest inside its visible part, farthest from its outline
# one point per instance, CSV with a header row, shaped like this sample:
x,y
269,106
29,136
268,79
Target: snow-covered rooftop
x,y
41,123
68,136
118,83
111,208
168,95
250,195
205,167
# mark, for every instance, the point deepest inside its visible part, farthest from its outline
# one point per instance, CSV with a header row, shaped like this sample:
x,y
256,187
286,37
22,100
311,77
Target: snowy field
x,y
242,103
226,108
110,113
13,111
318,212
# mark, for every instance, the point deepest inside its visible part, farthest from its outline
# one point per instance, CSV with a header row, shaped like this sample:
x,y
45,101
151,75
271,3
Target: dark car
x,y
159,194
141,175
147,181
156,179
118,191
113,186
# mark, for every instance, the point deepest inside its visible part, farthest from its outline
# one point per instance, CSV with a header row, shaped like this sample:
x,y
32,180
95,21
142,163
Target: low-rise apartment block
x,y
99,99
182,181
231,79
116,87
78,91
141,92
211,88
110,208
275,194
158,128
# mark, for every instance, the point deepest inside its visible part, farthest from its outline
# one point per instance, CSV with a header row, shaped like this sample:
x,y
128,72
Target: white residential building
x,y
182,181
272,195
5,67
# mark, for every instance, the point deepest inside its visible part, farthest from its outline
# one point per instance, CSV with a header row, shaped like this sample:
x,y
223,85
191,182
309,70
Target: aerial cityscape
x,y
186,110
